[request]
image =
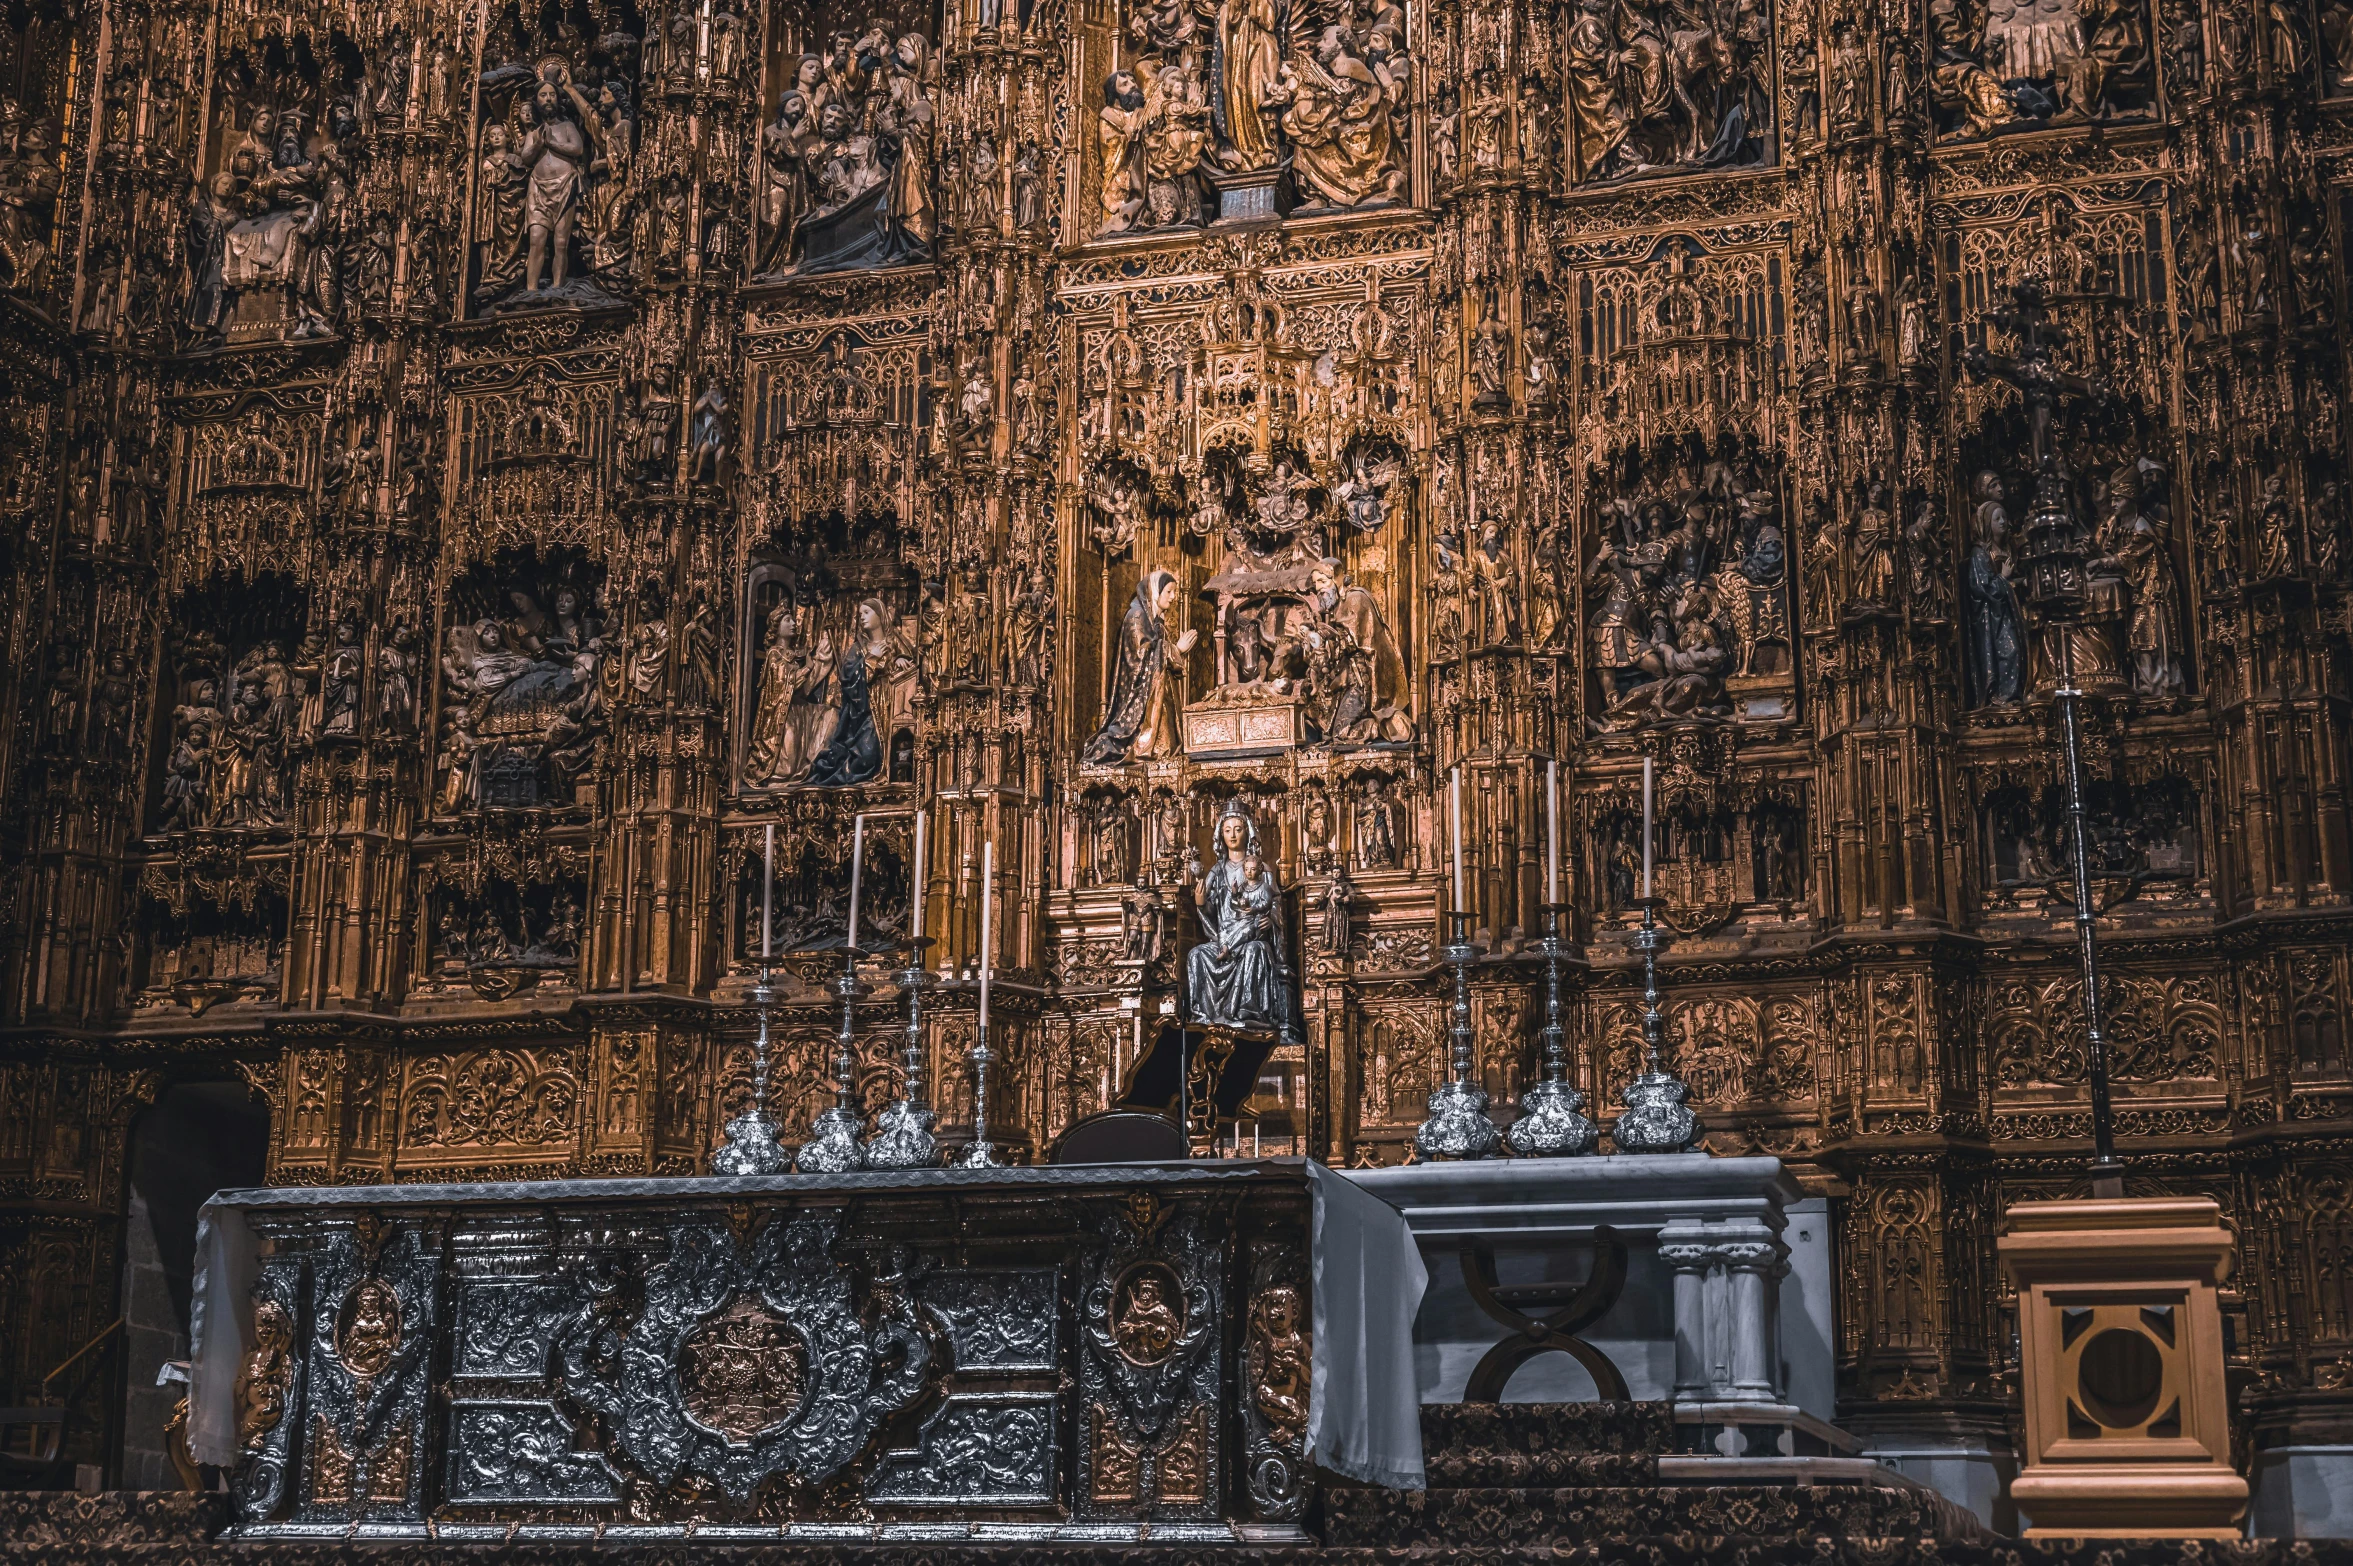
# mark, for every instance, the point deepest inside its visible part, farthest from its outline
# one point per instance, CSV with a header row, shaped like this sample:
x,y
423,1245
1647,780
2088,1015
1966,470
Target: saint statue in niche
x,y
1997,630
1140,718
877,678
799,701
1240,975
1250,48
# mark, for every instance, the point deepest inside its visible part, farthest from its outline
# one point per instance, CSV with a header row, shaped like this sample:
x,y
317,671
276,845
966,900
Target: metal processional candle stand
x,y
1458,1126
977,1153
902,1132
1657,1119
1550,1125
751,1147
834,1146
2053,550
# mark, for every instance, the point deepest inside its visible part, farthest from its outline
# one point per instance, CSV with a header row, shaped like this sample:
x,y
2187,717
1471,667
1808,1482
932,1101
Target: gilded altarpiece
x,y
476,472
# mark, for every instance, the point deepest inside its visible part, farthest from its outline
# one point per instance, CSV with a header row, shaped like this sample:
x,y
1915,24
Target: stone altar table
x,y
1694,1314
1096,1354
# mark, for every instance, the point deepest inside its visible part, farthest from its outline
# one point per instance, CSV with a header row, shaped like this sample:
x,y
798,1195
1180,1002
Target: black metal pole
x,y
2107,1173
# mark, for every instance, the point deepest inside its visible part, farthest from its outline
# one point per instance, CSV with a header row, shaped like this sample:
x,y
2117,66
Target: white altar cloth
x,y
1364,1409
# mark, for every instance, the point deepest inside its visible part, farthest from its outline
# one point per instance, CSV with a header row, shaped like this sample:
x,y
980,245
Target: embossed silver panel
x,y
1007,1320
806,1358
853,1373
521,1451
505,1328
980,1449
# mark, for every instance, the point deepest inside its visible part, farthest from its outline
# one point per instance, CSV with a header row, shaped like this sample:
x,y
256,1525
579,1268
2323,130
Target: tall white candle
x,y
988,876
922,874
1552,832
1455,789
857,867
1646,767
768,894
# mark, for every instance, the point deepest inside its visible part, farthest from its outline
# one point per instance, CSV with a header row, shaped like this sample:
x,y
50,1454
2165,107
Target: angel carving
x,y
1116,511
1281,505
1364,494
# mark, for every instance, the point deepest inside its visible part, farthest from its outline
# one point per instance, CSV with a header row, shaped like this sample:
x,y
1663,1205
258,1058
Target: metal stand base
x,y
835,1143
752,1147
1550,1123
1458,1126
1657,1120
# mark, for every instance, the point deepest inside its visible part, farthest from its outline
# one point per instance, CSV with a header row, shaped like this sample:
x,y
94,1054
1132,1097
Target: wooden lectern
x,y
2120,1335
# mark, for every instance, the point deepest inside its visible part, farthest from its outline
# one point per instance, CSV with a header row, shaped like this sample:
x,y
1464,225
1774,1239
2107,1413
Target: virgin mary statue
x,y
1140,717
1239,976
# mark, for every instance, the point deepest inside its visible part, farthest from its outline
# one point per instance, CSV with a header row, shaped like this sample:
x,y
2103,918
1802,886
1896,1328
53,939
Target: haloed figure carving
x,y
554,208
555,152
1240,975
1658,86
1140,717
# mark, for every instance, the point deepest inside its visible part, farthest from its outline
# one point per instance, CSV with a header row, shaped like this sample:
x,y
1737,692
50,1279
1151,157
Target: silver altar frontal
x,y
1095,1354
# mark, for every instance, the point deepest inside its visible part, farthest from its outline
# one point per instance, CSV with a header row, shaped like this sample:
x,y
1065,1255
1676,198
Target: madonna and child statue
x,y
1240,976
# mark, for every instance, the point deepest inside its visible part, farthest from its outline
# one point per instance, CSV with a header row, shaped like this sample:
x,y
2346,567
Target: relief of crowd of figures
x,y
478,469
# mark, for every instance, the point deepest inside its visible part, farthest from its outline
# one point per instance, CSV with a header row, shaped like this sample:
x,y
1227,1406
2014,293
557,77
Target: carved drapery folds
x,y
2001,66
1198,111
832,654
850,155
522,682
1657,89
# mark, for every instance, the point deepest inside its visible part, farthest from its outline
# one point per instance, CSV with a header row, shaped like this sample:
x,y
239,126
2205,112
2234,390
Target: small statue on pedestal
x,y
1239,976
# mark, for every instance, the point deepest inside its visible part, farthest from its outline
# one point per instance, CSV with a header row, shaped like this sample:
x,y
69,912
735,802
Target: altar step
x,y
1531,1477
1516,1484
1517,1446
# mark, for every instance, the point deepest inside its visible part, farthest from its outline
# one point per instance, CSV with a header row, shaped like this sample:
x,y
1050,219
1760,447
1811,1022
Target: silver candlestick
x,y
902,1134
751,1147
833,1146
1657,1120
1550,1125
1458,1126
977,1153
